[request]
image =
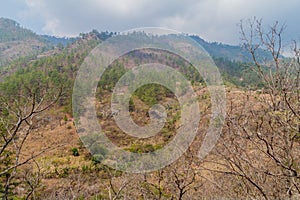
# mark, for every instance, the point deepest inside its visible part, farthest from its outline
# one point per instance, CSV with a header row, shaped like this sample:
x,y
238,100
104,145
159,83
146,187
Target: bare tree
x,y
152,185
261,144
32,180
118,184
18,116
183,177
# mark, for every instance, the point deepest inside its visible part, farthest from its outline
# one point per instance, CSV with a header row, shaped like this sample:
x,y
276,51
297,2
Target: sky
x,y
213,20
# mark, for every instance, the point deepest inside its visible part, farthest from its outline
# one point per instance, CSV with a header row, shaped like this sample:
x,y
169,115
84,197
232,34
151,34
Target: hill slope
x,y
230,52
16,41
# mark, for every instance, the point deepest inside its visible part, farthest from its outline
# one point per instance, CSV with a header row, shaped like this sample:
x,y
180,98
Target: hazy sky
x,y
213,20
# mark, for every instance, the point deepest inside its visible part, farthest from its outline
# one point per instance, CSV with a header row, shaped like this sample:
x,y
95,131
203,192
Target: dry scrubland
x,y
256,157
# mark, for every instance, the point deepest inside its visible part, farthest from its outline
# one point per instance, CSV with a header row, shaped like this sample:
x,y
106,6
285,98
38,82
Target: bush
x,y
75,151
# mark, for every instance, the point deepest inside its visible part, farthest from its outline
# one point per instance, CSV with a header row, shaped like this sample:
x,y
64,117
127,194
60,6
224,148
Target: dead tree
x,y
262,139
19,114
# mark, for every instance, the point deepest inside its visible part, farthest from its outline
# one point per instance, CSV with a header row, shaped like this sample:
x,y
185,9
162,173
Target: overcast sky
x,y
213,20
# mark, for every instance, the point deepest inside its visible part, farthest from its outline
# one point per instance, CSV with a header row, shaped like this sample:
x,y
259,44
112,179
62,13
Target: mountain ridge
x,y
17,41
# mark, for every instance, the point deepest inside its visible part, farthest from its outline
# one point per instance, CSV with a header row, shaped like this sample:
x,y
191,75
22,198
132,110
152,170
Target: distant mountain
x,y
17,41
53,40
10,31
230,52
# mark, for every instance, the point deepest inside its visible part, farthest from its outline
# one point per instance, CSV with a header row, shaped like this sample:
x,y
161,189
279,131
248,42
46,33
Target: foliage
x,y
75,151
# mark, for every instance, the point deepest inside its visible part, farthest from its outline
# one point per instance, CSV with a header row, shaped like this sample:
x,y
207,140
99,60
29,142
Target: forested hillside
x,y
17,42
42,157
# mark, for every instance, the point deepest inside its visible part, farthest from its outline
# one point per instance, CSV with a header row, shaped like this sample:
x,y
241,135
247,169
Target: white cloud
x,y
214,20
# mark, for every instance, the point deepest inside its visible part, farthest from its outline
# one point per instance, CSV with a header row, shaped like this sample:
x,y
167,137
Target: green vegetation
x,y
12,31
238,73
146,148
75,151
264,125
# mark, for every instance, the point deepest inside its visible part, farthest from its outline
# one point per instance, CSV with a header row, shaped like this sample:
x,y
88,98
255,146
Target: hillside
x,y
17,41
230,52
42,156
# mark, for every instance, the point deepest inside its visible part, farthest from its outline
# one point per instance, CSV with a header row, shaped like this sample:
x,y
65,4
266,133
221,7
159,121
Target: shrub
x,y
75,151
